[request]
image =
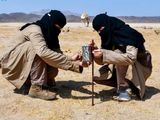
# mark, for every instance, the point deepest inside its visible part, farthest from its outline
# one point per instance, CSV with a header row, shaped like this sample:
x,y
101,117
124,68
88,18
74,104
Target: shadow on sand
x,y
65,88
106,95
151,91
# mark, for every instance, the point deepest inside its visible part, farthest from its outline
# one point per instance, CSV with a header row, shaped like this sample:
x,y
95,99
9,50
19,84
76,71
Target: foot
x,y
37,91
123,95
135,90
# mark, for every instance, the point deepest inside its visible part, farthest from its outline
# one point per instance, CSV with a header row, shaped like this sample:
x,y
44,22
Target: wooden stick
x,y
92,82
92,47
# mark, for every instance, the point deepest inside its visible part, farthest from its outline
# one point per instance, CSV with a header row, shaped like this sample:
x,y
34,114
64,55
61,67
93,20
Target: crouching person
x,y
121,46
37,57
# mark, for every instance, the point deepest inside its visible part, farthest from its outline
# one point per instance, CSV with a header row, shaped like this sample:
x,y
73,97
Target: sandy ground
x,y
74,90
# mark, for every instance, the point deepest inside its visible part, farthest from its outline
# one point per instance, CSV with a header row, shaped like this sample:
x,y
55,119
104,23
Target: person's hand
x,y
97,53
77,56
93,45
84,64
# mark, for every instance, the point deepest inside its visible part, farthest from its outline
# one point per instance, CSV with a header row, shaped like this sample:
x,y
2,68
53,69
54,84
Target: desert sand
x,y
74,90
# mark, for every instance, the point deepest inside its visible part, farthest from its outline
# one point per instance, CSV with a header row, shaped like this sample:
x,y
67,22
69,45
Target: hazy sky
x,y
93,7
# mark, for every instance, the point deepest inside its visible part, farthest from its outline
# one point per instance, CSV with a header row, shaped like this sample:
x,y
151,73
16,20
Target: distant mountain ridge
x,y
134,19
71,17
18,17
44,11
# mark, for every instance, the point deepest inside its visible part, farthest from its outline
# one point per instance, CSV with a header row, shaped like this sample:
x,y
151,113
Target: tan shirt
x,y
17,63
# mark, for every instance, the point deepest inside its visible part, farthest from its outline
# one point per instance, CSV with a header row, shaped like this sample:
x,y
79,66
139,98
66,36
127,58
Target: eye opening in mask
x,y
58,27
101,29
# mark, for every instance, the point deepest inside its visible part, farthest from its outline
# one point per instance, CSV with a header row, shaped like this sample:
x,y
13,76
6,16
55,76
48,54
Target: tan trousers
x,y
138,74
41,73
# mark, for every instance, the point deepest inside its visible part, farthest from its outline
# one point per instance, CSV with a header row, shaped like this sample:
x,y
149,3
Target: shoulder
x,y
32,29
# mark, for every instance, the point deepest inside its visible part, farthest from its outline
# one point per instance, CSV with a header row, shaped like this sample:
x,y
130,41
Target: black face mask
x,y
106,42
103,32
56,31
50,32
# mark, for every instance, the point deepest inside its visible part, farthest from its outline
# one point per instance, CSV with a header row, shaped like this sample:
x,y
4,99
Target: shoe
x,y
123,95
37,91
134,89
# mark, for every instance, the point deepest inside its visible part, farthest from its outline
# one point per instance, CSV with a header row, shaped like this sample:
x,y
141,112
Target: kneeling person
x,y
37,56
122,46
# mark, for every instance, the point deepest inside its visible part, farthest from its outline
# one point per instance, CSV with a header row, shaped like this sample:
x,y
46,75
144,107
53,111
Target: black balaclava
x,y
50,32
116,32
102,20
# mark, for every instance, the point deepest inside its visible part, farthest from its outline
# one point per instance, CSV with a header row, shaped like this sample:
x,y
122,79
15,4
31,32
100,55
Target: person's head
x,y
100,22
57,18
54,20
51,24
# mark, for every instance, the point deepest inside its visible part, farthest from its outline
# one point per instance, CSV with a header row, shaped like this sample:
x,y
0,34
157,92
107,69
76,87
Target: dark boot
x,y
37,91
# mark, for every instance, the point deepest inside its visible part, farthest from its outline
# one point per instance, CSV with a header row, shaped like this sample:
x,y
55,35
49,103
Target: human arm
x,y
51,57
116,57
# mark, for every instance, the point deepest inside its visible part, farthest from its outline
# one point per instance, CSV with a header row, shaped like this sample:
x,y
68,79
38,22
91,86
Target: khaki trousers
x,y
41,73
138,73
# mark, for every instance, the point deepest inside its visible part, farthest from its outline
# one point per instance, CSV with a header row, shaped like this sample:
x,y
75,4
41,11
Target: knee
x,y
99,61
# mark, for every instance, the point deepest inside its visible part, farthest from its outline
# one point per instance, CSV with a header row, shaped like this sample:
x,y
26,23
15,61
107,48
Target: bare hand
x,y
93,45
84,64
97,53
77,56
